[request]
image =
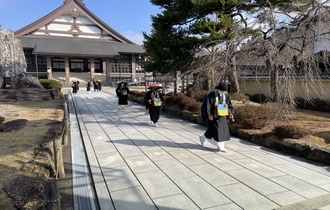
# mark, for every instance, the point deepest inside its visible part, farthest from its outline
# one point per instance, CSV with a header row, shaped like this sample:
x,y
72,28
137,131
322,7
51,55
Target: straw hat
x,y
155,85
122,82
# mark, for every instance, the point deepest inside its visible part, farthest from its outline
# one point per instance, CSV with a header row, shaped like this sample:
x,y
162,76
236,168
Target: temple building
x,y
71,40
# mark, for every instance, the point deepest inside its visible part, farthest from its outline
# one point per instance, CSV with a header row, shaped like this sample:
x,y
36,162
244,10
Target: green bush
x,y
290,131
50,84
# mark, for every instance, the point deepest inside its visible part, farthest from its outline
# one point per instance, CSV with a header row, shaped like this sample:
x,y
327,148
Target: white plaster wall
x,y
252,87
59,27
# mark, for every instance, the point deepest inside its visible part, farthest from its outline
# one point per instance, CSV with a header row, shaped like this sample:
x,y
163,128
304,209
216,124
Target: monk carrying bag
x,y
156,102
221,109
124,92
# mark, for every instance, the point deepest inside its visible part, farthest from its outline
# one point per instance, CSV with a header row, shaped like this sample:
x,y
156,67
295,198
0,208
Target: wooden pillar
x,y
108,70
67,70
104,67
49,67
133,70
92,68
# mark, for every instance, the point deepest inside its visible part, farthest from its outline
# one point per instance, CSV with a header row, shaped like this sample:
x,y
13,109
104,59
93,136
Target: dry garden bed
x,y
27,128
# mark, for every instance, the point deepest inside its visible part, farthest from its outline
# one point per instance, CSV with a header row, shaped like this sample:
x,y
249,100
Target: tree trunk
x,y
273,81
232,76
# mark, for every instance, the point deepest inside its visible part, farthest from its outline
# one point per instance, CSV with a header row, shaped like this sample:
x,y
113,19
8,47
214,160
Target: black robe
x,y
217,128
154,111
122,98
74,87
88,86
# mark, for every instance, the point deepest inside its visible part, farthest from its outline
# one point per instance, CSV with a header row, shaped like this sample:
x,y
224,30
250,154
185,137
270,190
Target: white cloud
x,y
137,38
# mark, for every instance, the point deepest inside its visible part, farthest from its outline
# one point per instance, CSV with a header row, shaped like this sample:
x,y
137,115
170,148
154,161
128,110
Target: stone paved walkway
x,y
135,165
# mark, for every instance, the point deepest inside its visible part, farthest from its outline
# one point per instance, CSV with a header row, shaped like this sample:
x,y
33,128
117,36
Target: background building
x,y
71,42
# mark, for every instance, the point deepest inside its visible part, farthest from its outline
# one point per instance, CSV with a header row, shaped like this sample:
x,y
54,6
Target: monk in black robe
x,y
217,126
122,92
153,100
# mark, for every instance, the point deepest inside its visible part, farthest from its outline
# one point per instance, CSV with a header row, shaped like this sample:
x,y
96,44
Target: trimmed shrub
x,y
258,98
2,119
256,117
290,131
137,93
239,97
185,102
198,95
194,107
315,104
169,94
50,84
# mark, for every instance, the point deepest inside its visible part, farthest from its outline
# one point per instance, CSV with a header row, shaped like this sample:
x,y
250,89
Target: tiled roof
x,y
81,47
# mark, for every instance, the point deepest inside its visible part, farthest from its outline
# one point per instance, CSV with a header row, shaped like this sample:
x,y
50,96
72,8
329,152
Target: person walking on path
x,y
99,85
88,86
122,92
77,84
96,88
153,100
74,86
219,108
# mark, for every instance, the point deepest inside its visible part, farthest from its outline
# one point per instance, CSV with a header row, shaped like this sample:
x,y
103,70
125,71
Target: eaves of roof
x,y
78,47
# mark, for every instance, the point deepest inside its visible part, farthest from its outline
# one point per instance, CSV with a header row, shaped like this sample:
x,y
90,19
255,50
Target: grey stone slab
x,y
325,187
231,206
304,174
142,143
156,153
233,155
257,182
213,175
141,164
286,198
201,192
174,169
264,158
180,201
119,178
132,198
111,159
168,145
325,207
247,198
104,147
221,162
299,186
157,184
187,158
321,202
237,146
259,168
122,142
197,149
129,151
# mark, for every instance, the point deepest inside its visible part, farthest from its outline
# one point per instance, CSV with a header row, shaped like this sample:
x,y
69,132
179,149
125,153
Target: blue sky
x,y
128,17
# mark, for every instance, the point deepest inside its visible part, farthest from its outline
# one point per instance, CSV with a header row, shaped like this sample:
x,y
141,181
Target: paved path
x,y
135,165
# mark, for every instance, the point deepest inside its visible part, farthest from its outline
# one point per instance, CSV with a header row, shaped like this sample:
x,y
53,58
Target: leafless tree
x,y
286,46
